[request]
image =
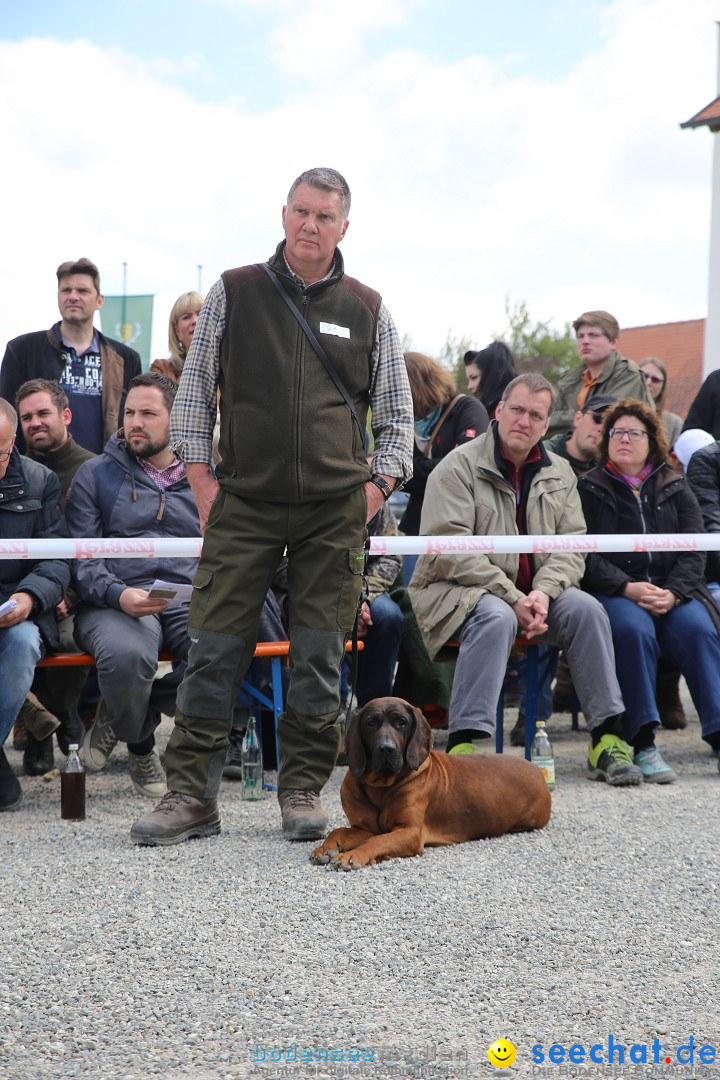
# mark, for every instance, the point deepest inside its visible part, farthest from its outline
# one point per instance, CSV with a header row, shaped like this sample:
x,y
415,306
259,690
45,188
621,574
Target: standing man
x,y
505,483
602,370
293,473
93,370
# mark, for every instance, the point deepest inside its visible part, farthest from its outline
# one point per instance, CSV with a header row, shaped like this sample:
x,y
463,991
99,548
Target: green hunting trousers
x,y
244,542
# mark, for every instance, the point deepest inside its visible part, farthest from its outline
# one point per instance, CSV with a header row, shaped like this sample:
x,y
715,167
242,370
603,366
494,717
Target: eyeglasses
x,y
518,411
634,434
652,378
6,453
597,418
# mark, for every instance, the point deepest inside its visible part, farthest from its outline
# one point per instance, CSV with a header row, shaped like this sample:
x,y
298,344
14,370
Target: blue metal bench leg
x,y
531,696
499,717
575,709
277,692
276,705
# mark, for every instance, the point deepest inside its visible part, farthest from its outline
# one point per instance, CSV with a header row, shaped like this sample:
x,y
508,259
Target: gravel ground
x,y
125,962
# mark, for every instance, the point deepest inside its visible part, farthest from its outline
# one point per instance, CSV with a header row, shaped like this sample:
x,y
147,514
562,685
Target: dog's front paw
x,y
321,856
347,860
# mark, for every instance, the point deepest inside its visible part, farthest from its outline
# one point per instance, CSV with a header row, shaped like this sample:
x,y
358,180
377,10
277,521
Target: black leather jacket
x,y
703,476
666,505
31,509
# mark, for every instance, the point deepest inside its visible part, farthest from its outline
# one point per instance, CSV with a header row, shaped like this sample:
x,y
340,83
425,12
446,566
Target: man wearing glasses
x,y
505,483
602,370
30,590
579,445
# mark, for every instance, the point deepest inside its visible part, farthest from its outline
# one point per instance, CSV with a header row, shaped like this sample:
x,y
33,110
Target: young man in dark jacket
x,y
30,508
93,370
137,487
703,476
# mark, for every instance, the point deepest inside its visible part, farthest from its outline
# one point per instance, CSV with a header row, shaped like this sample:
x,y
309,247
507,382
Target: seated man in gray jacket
x,y
135,488
505,483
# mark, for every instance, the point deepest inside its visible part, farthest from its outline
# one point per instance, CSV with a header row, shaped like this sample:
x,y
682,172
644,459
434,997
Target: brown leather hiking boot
x,y
36,718
667,698
19,735
177,817
303,817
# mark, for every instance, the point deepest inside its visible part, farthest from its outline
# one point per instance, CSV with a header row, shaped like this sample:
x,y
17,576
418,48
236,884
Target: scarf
x,y
633,482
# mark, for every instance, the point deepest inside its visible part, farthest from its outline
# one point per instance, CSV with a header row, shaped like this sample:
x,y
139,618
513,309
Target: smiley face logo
x,y
502,1053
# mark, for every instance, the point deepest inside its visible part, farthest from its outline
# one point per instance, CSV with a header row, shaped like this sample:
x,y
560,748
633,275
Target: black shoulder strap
x,y
317,347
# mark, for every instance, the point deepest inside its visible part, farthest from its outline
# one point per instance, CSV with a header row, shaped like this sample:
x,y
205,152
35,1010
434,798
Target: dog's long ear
x,y
354,746
421,741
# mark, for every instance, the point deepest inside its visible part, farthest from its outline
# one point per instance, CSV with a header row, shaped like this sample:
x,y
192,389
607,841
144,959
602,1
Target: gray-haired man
x,y
293,473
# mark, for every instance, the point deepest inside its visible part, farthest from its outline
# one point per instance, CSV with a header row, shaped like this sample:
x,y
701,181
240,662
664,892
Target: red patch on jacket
x,y
470,433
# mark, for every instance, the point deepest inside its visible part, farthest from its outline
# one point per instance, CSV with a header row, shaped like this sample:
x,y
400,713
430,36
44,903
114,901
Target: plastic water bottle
x,y
251,763
72,787
541,754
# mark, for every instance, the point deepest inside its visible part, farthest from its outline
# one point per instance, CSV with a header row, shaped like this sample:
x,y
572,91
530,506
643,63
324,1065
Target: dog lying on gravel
x,y
400,795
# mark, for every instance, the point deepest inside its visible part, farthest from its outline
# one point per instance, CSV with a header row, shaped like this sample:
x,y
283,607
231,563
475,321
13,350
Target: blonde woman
x,y
183,320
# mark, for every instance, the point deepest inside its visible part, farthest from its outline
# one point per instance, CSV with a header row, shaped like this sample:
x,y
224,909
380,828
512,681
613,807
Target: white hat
x,y
688,442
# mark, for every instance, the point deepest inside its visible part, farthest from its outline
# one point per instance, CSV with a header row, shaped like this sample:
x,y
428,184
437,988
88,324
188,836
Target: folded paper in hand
x,y
176,595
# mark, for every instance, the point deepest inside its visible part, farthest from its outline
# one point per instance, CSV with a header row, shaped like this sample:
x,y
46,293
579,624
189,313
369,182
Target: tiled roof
x,y
680,347
709,116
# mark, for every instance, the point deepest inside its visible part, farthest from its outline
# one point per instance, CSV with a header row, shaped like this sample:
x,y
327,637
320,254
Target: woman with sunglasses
x,y
655,375
657,602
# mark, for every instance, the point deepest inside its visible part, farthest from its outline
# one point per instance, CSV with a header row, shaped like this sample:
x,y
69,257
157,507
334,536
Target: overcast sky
x,y
528,148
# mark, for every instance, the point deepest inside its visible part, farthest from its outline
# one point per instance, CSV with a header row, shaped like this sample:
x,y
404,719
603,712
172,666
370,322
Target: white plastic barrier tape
x,y
175,547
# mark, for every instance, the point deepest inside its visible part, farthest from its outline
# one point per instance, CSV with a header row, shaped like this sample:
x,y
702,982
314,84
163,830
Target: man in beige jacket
x,y
506,483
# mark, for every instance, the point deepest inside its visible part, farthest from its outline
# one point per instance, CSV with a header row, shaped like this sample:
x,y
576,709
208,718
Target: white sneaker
x,y
99,742
147,774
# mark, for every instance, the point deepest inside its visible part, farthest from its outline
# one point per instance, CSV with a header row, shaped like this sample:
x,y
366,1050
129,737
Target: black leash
x,y
323,358
355,652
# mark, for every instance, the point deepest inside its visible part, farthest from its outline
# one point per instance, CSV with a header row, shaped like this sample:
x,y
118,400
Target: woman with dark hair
x,y
657,603
488,372
444,419
655,375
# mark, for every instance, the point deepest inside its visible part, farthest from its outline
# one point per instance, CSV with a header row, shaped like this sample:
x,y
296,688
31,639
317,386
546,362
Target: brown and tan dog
x,y
400,795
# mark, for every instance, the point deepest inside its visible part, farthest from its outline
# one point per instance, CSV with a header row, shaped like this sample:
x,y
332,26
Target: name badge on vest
x,y
334,329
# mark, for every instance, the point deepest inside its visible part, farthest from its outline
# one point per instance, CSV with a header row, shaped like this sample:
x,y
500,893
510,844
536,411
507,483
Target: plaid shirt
x,y
194,412
164,478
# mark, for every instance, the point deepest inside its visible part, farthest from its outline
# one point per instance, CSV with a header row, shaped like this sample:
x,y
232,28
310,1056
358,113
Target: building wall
x,y
680,347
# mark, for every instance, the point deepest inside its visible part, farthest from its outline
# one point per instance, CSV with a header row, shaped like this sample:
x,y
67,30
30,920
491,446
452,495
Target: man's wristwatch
x,y
383,485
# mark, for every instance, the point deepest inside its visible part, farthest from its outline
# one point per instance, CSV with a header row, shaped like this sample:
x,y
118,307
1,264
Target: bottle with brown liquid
x,y
72,787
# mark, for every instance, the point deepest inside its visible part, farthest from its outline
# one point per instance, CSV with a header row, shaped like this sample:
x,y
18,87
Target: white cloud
x,y
469,181
322,39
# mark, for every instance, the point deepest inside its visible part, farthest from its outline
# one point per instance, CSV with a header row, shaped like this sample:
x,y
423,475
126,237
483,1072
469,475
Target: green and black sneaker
x,y
612,761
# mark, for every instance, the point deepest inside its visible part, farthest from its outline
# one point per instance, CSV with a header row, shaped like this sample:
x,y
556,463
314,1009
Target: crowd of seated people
x,y
104,607
608,470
